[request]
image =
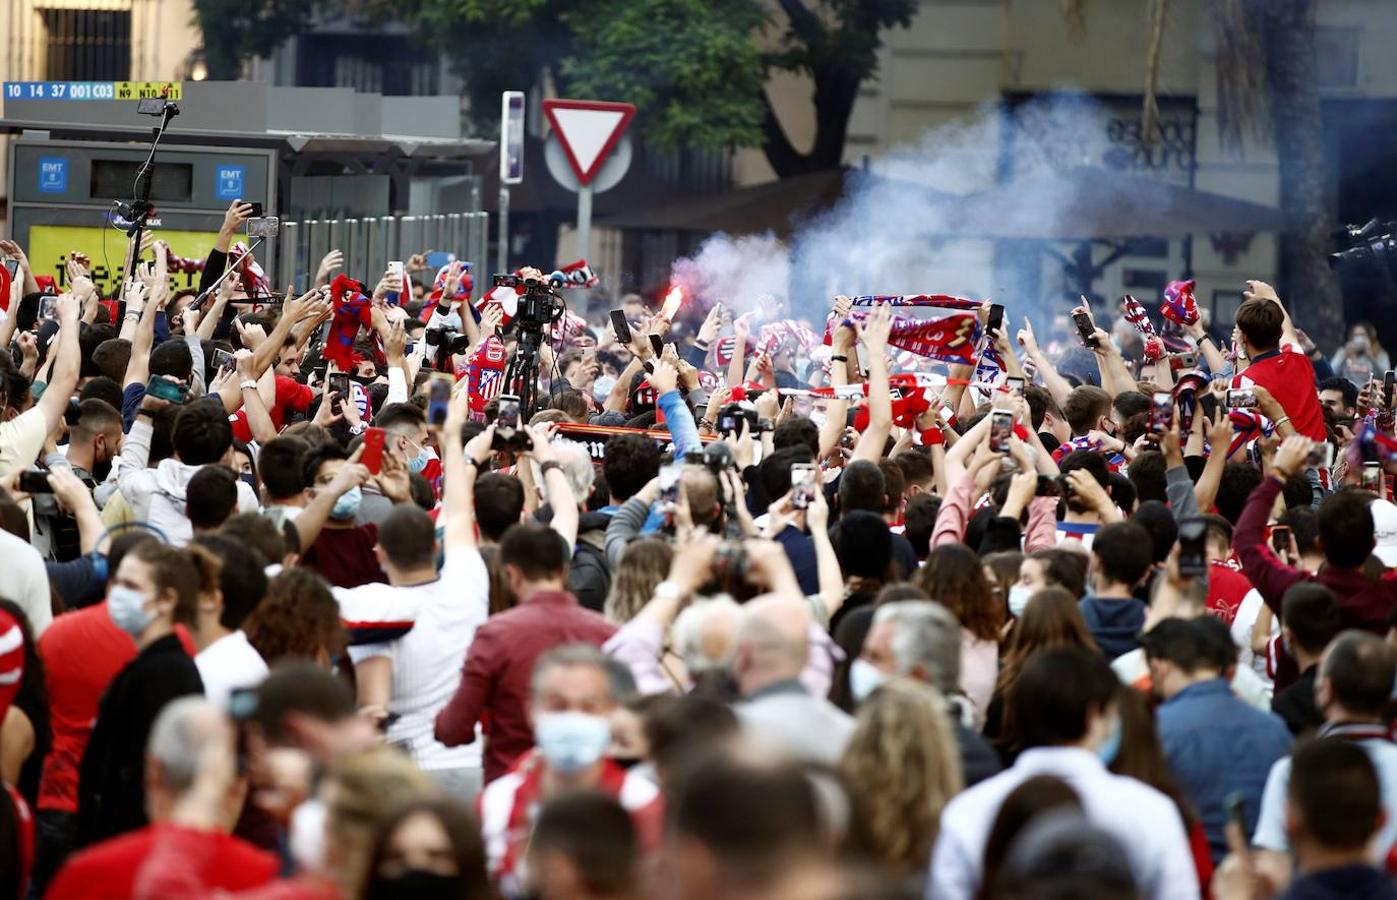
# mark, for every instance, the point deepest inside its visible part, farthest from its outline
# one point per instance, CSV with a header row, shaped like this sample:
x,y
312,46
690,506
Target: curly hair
x,y
298,618
901,767
954,576
644,564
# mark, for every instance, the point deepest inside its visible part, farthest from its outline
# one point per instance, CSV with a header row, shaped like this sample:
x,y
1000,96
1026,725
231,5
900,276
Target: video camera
x,y
1374,243
539,305
716,457
730,418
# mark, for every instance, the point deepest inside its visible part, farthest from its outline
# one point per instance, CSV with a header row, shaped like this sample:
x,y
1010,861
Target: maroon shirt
x,y
499,666
345,556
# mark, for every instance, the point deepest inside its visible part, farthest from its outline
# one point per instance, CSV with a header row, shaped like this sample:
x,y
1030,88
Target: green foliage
x,y
235,30
691,66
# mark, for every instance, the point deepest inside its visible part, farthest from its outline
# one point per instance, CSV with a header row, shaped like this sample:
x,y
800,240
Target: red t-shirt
x,y
345,556
107,871
291,396
82,652
1226,588
1290,378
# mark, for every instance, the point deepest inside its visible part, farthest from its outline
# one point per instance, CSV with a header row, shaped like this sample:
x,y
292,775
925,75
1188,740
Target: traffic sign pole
x,y
511,166
502,247
584,221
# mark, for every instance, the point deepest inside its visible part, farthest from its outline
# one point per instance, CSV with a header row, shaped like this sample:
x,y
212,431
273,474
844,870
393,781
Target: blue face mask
x,y
347,506
249,479
419,462
127,607
864,678
571,741
1111,747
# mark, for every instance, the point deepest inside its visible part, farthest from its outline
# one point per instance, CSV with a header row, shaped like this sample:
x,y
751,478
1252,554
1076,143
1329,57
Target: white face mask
x,y
571,741
1018,599
864,678
127,608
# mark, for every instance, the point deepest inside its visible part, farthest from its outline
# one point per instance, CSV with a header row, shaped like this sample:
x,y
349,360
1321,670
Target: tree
x,y
1266,75
236,30
695,68
836,43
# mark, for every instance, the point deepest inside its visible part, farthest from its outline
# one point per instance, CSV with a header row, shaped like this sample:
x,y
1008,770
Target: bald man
x,y
773,645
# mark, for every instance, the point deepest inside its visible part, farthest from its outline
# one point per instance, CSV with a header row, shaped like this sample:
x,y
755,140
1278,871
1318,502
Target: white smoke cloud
x,y
897,231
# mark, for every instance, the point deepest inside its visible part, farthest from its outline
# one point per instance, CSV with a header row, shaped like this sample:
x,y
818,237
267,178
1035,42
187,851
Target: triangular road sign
x,y
587,130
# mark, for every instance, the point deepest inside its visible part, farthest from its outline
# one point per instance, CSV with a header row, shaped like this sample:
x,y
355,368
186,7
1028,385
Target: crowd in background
x,y
299,603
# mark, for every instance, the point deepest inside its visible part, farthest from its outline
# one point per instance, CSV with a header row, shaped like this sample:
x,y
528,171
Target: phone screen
x,y
508,416
1001,430
803,485
439,398
1161,412
1388,381
669,484
1280,540
1015,384
13,266
338,383
1371,479
1241,398
996,319
223,361
657,344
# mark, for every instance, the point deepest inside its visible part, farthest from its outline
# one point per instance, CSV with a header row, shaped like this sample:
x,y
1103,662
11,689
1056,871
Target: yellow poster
x,y
49,246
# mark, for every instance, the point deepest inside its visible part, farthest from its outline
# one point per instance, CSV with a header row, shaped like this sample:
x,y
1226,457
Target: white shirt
x,y
1146,823
1246,612
427,661
228,664
1270,823
26,581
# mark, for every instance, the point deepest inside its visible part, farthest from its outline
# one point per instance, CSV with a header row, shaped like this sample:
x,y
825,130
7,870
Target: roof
x,y
776,206
1089,202
298,142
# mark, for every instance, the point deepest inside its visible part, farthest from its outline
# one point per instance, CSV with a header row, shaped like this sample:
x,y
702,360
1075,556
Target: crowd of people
x,y
302,602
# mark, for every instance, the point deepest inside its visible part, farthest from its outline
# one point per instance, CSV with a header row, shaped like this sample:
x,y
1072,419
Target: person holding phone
x,y
1269,341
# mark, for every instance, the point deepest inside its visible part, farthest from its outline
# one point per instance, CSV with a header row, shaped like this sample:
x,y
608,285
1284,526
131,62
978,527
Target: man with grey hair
x,y
589,576
919,639
182,733
772,648
572,694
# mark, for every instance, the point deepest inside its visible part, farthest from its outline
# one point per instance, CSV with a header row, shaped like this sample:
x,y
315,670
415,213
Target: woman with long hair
x,y
644,564
955,577
1002,571
1050,620
298,619
901,767
429,848
1141,757
1031,799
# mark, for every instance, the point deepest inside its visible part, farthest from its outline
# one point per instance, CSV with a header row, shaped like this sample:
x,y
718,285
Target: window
x,y
87,45
391,65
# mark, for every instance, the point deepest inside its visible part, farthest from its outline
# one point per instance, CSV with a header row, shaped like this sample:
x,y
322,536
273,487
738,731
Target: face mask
x,y
416,884
1018,599
249,479
306,840
601,387
419,462
127,609
864,678
347,506
1111,747
571,741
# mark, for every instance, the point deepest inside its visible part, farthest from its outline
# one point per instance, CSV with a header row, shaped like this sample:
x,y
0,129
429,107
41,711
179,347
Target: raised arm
x,y
314,514
460,465
874,333
555,484
66,368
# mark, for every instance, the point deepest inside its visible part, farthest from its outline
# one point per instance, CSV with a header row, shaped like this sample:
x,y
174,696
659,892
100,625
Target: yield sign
x,y
587,130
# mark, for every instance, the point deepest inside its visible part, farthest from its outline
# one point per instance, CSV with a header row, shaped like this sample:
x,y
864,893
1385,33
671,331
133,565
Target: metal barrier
x,y
369,244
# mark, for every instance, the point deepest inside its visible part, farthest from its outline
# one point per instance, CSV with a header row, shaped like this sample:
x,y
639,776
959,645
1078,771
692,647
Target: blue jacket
x,y
1218,745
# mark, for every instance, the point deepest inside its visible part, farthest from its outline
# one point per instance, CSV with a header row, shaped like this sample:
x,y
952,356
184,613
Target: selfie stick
x,y
228,270
140,206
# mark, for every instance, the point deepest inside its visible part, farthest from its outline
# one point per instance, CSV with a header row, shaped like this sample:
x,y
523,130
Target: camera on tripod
x,y
1374,243
539,305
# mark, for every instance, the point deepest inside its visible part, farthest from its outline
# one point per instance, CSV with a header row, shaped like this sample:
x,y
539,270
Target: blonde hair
x,y
644,564
366,790
901,768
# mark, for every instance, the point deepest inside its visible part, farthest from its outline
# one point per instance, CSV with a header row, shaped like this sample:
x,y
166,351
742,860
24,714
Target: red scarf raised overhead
x,y
353,310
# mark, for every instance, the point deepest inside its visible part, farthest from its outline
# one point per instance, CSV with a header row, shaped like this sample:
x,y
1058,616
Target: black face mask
x,y
416,884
